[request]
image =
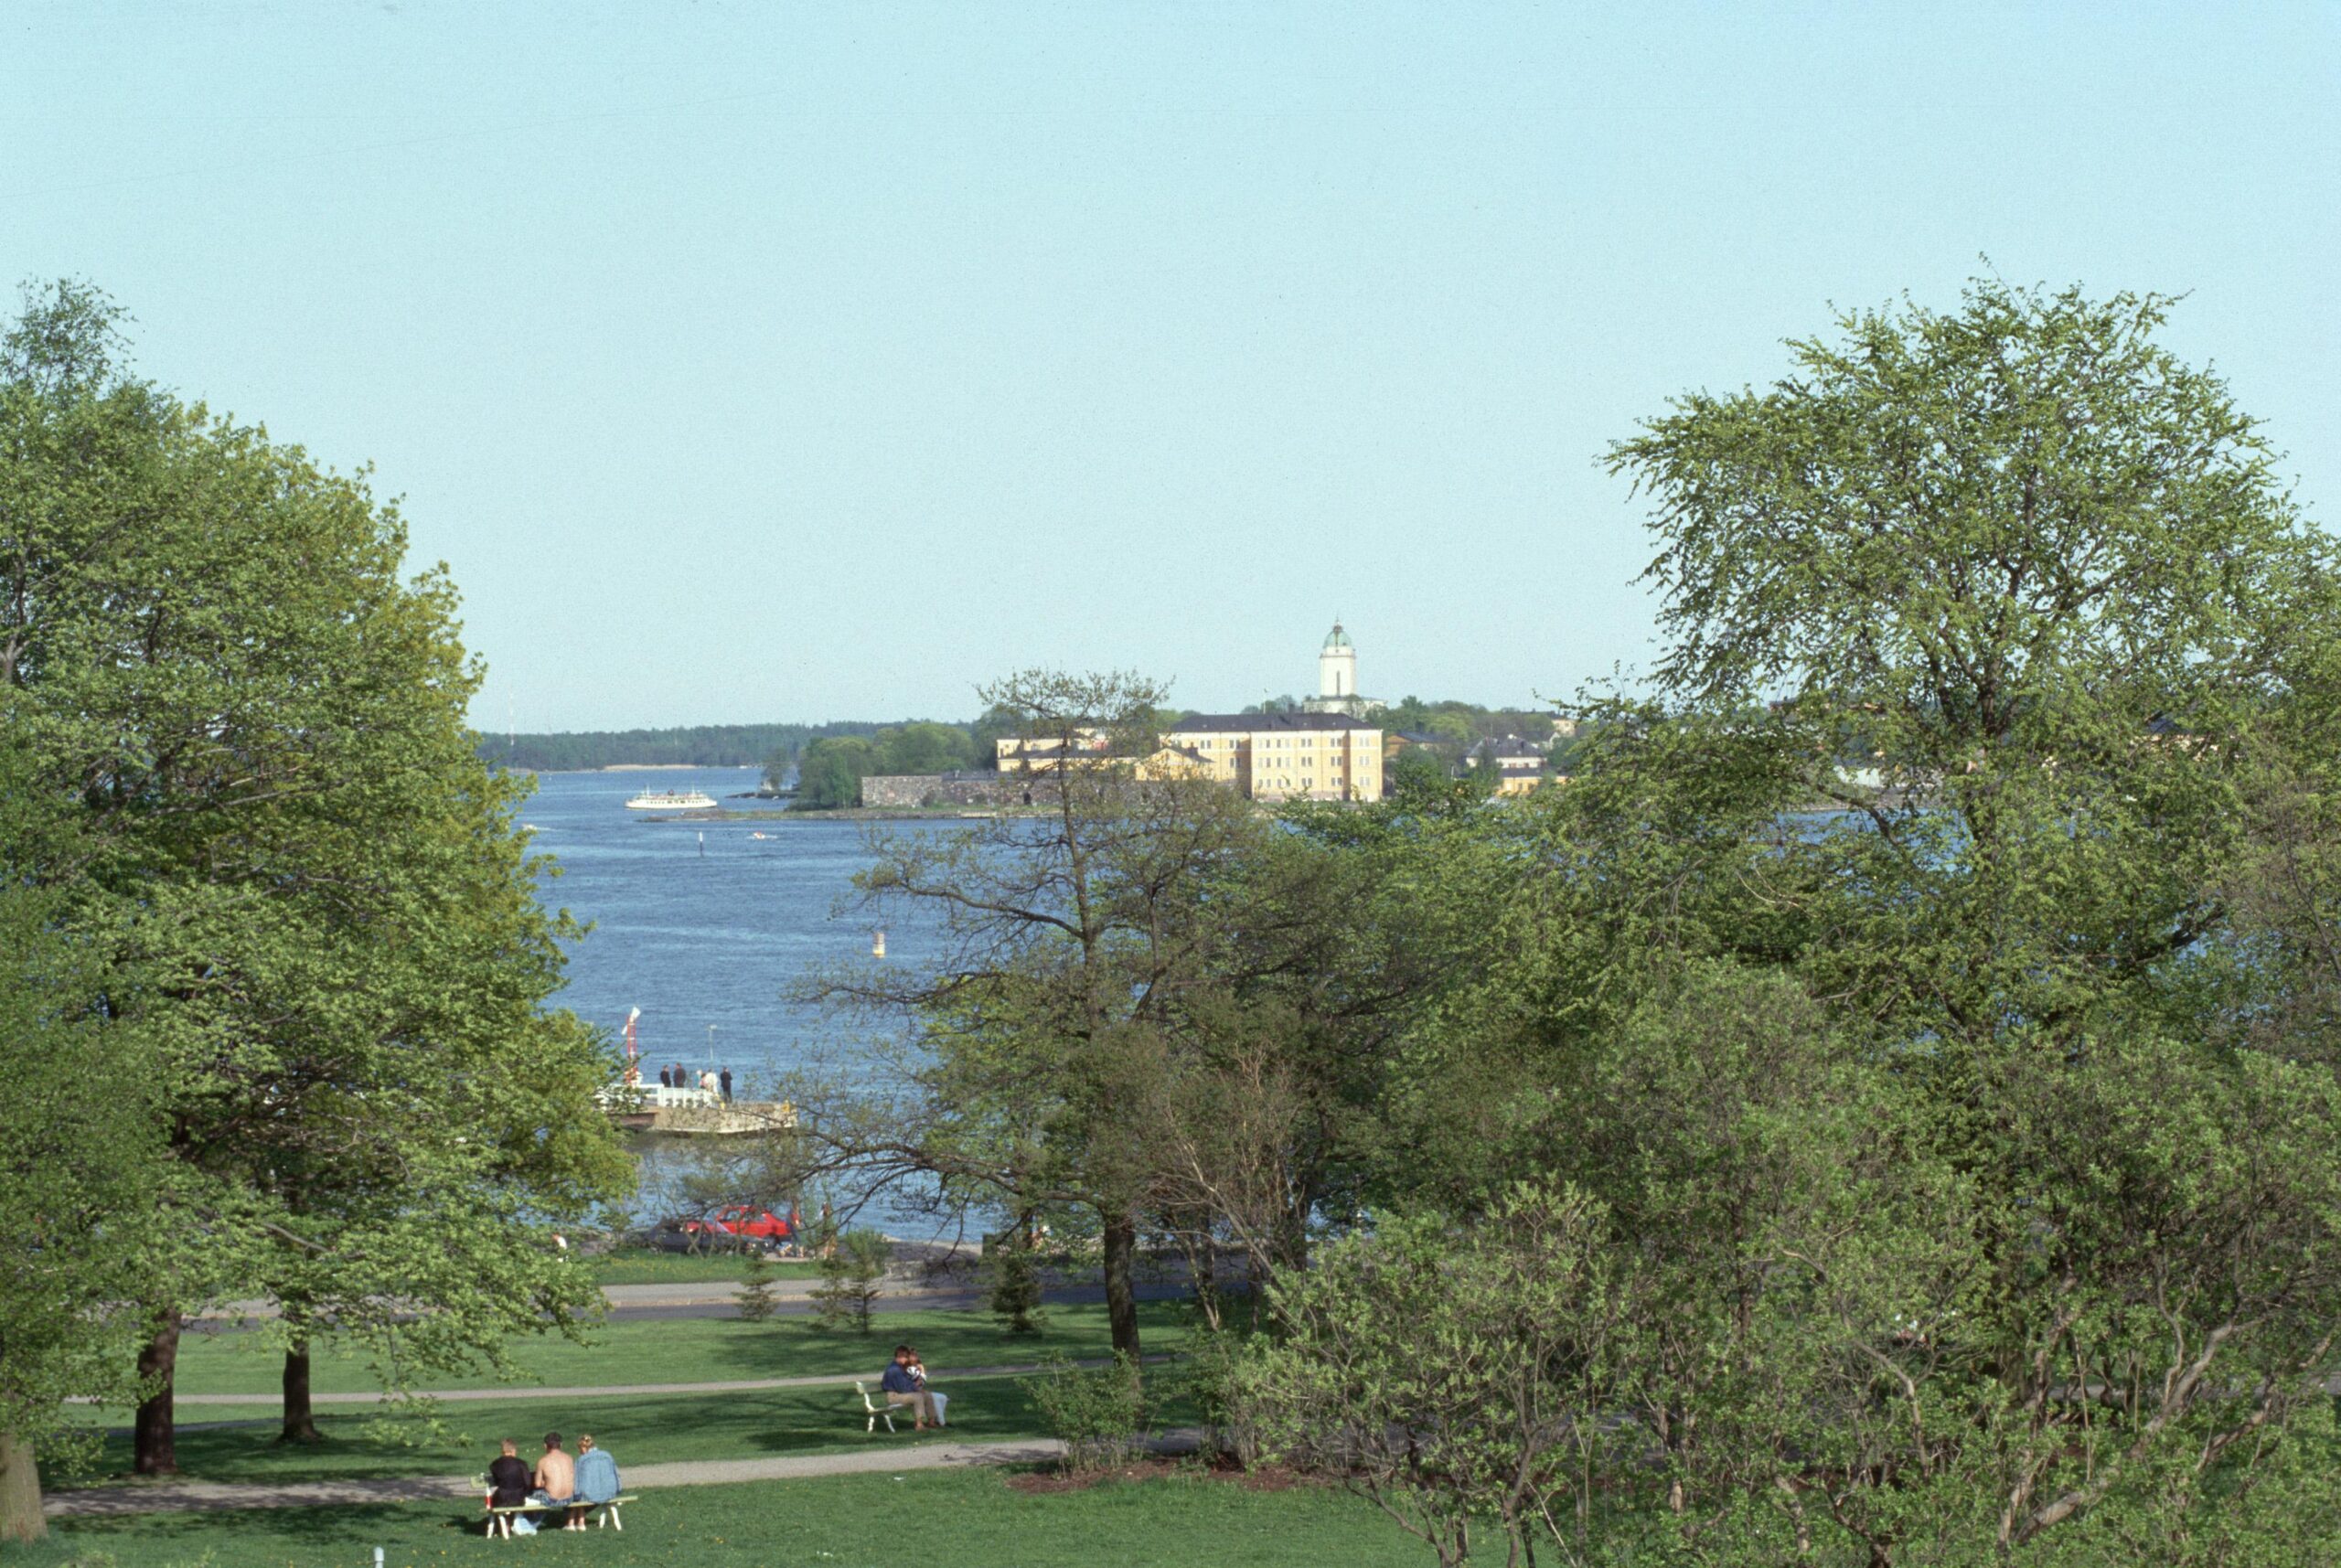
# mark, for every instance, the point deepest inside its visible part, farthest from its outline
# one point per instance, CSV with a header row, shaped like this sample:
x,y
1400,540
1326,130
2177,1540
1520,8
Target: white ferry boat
x,y
671,800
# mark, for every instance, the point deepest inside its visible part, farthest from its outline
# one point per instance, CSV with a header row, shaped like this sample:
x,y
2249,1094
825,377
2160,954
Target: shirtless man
x,y
557,1481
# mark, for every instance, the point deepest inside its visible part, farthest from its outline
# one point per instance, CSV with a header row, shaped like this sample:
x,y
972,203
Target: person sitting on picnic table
x,y
904,1386
598,1473
557,1480
507,1477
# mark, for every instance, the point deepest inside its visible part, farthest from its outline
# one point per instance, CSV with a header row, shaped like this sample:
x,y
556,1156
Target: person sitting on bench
x,y
557,1481
598,1473
904,1386
507,1477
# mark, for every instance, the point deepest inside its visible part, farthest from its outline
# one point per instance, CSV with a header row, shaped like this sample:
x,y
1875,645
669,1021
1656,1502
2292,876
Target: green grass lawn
x,y
957,1519
460,1439
696,1349
643,1265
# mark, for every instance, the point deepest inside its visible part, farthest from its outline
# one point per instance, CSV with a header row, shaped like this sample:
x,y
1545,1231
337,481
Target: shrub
x,y
755,1297
850,1270
1097,1413
1212,1376
1015,1294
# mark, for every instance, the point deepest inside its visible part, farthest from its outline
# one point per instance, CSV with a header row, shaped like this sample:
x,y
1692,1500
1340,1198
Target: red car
x,y
759,1225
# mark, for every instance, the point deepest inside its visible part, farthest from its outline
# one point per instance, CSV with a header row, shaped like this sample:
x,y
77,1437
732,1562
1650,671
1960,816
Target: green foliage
x,y
830,771
1064,938
326,939
921,748
830,774
1947,1156
1417,772
1462,1380
1013,1281
755,1297
1097,1413
82,1164
853,1264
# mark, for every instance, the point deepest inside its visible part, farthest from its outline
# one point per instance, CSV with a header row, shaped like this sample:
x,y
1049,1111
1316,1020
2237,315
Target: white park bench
x,y
875,1411
499,1519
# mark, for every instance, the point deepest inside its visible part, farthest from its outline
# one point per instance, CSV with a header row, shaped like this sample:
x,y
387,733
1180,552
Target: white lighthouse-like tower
x,y
1337,665
1337,679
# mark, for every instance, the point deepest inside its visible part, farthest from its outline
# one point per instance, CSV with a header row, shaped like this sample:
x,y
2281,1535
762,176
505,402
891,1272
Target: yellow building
x,y
1046,753
1285,756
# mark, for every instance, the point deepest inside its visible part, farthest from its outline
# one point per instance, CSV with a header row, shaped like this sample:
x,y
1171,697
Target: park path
x,y
170,1497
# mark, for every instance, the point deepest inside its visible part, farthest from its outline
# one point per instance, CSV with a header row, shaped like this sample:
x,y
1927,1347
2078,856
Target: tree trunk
x,y
300,1418
1121,1296
20,1515
155,1438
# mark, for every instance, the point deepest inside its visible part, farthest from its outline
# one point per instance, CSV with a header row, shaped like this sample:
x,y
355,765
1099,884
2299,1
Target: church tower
x,y
1337,666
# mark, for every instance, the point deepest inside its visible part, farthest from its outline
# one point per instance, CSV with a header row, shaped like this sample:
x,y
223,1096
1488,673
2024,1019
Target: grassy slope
x,y
698,1349
929,1519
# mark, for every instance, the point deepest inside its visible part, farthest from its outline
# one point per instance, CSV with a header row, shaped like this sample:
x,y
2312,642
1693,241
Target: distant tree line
x,y
695,745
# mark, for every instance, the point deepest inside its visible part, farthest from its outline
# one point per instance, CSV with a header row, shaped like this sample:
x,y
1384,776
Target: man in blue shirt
x,y
903,1386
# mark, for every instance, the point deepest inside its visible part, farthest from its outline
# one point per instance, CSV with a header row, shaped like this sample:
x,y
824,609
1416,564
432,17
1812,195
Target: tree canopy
x,y
304,900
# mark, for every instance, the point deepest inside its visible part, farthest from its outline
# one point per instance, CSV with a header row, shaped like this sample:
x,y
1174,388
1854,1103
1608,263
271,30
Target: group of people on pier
x,y
678,1076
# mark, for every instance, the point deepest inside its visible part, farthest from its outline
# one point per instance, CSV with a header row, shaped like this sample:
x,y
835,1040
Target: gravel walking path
x,y
170,1497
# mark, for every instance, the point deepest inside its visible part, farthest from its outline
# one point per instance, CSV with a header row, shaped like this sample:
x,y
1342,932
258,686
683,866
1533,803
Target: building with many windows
x,y
1519,766
1284,756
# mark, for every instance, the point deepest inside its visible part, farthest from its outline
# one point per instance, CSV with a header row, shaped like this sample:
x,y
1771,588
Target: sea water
x,y
705,926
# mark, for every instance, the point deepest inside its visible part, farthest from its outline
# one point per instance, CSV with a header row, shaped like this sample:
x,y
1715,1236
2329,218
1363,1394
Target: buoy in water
x,y
877,944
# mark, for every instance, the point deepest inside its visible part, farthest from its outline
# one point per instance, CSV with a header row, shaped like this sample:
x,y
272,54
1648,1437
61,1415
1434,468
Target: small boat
x,y
671,800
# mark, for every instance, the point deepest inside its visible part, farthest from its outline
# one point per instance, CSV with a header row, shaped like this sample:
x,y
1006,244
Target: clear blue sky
x,y
752,362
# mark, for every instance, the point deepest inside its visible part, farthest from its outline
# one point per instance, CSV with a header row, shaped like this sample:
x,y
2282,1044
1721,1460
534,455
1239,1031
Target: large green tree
x,y
329,943
1031,1044
2014,594
81,1167
2037,573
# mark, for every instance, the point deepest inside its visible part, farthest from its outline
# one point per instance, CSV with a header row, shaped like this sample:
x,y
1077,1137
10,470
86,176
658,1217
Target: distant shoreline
x,y
852,814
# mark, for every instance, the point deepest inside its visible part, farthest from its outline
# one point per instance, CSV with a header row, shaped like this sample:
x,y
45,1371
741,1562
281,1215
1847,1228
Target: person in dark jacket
x,y
905,1386
724,1078
508,1480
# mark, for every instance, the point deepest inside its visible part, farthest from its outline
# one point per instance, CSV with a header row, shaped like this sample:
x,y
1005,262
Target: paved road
x,y
632,1303
881,1457
666,1301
